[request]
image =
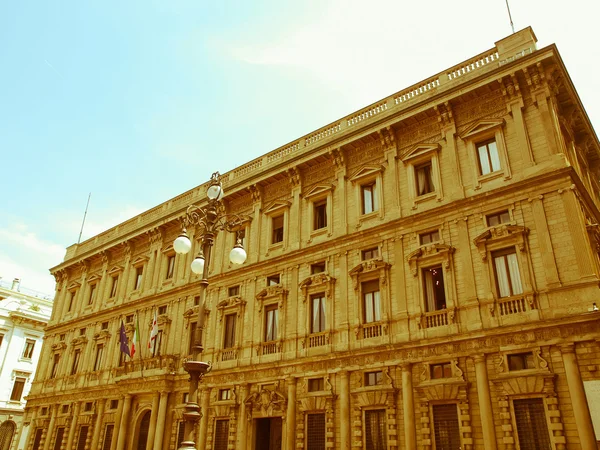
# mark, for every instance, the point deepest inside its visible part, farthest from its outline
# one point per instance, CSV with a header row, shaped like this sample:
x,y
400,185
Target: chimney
x,y
16,284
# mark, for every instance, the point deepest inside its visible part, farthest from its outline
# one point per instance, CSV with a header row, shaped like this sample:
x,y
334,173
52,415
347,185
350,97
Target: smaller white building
x,y
23,317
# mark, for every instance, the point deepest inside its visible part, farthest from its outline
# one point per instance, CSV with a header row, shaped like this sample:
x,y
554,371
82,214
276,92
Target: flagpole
x,y
137,327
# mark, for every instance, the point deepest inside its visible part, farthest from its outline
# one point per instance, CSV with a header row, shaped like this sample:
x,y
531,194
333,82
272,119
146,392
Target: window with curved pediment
x,y
368,182
423,173
431,265
487,150
369,279
317,295
231,312
504,251
271,303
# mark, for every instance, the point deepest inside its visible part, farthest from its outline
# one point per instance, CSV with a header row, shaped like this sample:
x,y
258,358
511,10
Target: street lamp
x,y
209,220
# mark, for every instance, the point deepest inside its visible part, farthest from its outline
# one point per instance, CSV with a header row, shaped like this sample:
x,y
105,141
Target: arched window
x,y
143,431
7,430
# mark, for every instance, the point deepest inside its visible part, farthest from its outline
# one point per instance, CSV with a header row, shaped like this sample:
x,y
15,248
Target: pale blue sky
x,y
110,97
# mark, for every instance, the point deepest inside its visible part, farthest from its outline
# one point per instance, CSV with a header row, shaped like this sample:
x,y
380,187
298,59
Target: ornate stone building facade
x,y
23,315
421,274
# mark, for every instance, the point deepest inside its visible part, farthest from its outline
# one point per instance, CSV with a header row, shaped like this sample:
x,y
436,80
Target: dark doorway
x,y
143,433
268,434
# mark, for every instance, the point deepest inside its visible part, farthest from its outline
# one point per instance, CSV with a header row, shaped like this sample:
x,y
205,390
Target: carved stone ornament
x,y
59,346
366,171
102,335
365,267
426,252
317,281
233,303
79,340
266,402
162,319
276,291
514,233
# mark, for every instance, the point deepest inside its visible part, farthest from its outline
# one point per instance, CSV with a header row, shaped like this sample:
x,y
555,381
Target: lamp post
x,y
209,220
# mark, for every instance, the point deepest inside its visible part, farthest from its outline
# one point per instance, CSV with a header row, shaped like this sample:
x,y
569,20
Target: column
x,y
345,410
485,403
122,429
51,427
578,398
73,426
290,420
160,421
153,418
410,437
98,424
113,444
242,420
201,443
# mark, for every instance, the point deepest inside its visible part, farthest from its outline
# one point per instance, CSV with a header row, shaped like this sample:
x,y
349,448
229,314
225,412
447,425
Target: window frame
x,y
274,308
28,349
429,235
370,175
415,158
322,314
486,143
504,253
18,389
276,209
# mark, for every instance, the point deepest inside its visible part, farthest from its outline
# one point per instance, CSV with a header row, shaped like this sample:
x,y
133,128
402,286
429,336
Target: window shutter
x,y
221,434
445,423
315,431
532,427
37,439
375,433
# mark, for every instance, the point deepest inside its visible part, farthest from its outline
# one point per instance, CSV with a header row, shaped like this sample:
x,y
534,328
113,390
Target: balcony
x,y
517,304
318,340
158,365
372,330
436,319
229,354
269,348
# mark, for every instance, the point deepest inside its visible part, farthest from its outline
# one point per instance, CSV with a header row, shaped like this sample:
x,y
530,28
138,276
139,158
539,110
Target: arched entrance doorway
x,y
7,430
143,429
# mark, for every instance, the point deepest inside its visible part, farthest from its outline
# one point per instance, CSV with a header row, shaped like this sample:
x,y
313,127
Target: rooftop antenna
x,y
84,214
510,17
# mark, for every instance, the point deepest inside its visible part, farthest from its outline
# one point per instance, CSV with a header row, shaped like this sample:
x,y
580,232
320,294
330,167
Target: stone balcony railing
x,y
162,363
229,354
516,304
435,319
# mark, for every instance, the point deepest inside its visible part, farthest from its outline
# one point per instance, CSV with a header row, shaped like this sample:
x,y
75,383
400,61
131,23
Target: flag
x,y
153,332
136,336
123,340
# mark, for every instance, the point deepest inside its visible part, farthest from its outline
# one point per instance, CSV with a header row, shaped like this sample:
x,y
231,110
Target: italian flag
x,y
136,336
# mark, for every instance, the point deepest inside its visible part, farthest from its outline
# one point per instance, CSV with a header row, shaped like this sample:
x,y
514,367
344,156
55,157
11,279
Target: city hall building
x,y
421,274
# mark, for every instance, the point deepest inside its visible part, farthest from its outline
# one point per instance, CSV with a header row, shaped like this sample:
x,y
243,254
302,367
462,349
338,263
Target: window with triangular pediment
x,y
368,183
423,173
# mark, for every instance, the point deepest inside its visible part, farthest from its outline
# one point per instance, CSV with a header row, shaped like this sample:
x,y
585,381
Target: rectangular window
x,y
158,343
445,426
60,434
224,394
55,361
233,291
521,361
320,215
277,224
99,353
508,278
440,370
72,295
316,384
108,436
65,409
370,253
113,288
424,180
273,280
315,431
92,293
192,337
17,390
62,337
28,350
498,218
317,268
428,238
371,301
82,332
180,433
139,273
87,407
162,310
196,300
532,427
75,364
373,378
170,267
114,404
370,202
435,293
487,156
129,318
229,338
221,440
271,319
82,438
375,430
37,440
317,313
44,411
104,326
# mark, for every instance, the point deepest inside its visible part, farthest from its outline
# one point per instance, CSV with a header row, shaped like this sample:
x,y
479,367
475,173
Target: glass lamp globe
x,y
182,244
238,255
215,192
198,265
